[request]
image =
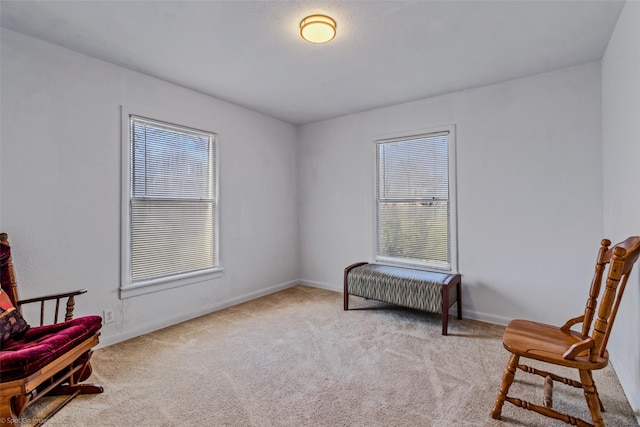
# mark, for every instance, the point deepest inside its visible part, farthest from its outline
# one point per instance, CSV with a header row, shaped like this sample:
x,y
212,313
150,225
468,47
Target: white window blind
x,y
173,200
413,206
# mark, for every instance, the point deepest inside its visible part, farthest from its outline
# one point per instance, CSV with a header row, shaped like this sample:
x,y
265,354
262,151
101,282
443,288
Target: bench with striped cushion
x,y
419,289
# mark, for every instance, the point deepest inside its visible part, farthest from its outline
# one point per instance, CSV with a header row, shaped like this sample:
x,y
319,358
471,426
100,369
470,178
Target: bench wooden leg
x,y
346,289
445,310
346,283
459,302
446,305
445,323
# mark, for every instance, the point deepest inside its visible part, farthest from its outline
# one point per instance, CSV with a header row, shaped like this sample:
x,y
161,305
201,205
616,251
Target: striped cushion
x,y
407,287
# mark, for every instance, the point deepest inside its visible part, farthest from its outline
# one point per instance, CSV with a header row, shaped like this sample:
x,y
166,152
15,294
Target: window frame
x,y
129,288
452,201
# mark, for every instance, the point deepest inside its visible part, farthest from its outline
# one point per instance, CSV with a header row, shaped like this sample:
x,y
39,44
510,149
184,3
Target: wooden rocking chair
x,y
585,351
50,359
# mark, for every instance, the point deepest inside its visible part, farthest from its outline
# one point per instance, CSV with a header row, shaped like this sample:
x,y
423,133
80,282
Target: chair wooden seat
x,y
585,351
547,343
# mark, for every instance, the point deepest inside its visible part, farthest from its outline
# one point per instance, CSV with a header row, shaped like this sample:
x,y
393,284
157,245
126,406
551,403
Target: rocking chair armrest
x,y
572,322
68,306
577,348
52,296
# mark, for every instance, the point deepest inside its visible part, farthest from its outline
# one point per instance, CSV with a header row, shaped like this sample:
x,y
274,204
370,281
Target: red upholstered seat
x,y
41,345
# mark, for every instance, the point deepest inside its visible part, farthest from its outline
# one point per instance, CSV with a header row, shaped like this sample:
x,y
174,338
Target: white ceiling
x,y
386,52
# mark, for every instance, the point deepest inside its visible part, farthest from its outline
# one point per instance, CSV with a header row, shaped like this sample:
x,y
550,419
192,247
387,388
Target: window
x,y
171,204
415,200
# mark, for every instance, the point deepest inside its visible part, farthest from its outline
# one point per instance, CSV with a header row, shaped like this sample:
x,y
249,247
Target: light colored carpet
x,y
295,358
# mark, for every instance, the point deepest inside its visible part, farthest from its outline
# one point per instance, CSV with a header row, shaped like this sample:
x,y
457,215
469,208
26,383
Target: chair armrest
x,y
52,296
70,304
579,347
572,322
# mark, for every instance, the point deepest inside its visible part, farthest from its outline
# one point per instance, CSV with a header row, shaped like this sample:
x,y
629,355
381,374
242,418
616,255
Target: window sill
x,y
161,284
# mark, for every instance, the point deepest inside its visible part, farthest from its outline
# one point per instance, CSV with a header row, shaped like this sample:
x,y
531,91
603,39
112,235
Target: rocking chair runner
x,y
585,350
44,360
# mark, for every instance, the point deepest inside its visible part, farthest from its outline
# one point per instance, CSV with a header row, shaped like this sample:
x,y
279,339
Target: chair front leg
x,y
11,408
7,413
593,400
596,391
507,379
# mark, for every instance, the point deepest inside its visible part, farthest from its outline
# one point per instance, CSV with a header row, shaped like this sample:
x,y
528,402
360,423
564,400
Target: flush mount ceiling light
x,y
318,28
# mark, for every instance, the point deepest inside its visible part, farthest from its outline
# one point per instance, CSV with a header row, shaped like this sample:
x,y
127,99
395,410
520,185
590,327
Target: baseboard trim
x,y
485,317
108,340
321,285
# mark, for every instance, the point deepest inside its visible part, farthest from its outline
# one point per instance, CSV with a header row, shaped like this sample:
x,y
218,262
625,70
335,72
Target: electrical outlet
x,y
107,315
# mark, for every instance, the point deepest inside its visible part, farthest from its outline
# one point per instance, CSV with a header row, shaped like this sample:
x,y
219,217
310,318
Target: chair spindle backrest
x,y
620,259
594,292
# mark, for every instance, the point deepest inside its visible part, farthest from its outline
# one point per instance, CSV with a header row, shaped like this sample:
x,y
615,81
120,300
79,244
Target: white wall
x,y
621,152
60,185
529,182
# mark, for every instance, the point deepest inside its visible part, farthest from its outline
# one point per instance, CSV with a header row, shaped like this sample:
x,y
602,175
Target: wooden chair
x,y
585,351
51,359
